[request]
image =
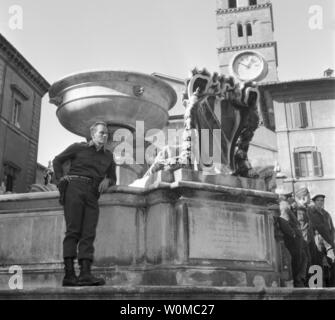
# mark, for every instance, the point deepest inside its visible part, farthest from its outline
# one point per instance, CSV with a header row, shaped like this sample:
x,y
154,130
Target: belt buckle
x,y
82,178
86,179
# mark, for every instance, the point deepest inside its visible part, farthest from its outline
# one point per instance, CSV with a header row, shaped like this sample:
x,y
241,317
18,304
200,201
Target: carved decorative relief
x,y
226,111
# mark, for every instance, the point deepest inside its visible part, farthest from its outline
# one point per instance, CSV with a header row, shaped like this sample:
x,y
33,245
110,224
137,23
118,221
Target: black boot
x,y
70,278
85,276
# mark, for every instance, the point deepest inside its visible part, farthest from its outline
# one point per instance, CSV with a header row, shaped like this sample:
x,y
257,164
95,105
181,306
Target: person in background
x,y
301,210
323,228
307,240
293,240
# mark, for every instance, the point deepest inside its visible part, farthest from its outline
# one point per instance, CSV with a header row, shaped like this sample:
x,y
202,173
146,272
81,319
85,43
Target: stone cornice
x,y
317,81
240,9
15,57
303,89
248,46
20,91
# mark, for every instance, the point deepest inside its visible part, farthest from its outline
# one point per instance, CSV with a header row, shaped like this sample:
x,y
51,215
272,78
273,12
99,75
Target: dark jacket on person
x,y
322,225
86,161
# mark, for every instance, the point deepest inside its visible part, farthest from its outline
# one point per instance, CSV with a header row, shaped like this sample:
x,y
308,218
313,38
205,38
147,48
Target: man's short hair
x,y
95,124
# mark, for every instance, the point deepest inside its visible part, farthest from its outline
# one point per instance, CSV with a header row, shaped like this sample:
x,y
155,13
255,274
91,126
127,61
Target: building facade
x,y
301,113
21,91
305,127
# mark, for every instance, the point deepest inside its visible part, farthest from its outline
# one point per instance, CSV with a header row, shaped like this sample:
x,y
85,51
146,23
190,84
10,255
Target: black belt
x,y
80,178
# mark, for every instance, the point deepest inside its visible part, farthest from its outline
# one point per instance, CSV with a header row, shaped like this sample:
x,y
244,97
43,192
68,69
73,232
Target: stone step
x,y
168,293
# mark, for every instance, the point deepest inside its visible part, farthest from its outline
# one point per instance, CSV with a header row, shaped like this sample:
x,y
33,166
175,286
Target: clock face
x,y
249,66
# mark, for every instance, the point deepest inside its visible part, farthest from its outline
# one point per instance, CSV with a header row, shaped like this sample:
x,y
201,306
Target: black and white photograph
x,y
175,151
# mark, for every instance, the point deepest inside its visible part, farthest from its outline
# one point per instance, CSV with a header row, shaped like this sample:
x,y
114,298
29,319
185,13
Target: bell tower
x,y
247,48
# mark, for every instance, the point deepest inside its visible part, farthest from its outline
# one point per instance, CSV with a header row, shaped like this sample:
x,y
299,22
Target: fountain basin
x,y
119,98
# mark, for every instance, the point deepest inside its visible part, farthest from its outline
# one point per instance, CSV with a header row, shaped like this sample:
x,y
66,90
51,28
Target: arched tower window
x,y
240,30
232,4
252,2
249,29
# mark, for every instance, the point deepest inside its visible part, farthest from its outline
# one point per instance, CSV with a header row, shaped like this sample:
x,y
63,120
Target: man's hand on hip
x,y
62,180
104,185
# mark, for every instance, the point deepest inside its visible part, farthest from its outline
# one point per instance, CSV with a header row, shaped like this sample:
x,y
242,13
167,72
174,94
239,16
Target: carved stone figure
x,y
220,119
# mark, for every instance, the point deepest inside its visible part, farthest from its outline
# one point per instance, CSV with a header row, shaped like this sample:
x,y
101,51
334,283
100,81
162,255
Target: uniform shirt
x,y
86,161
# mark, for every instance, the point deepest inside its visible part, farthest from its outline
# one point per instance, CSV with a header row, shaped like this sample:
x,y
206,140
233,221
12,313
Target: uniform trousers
x,y
81,212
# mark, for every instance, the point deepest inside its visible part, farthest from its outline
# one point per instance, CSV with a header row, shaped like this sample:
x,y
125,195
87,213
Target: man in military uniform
x,y
92,171
324,237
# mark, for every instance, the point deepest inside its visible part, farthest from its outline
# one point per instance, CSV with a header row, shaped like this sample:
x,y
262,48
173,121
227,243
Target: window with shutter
x,y
307,163
297,164
296,116
303,114
16,112
303,161
300,115
318,172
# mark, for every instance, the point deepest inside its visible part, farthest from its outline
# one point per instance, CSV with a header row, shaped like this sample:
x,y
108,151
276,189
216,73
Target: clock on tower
x,y
247,49
249,66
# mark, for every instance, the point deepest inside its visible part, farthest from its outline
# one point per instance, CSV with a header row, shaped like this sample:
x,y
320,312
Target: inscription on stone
x,y
226,233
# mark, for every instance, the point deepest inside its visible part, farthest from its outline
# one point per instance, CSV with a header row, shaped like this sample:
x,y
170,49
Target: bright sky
x,y
169,37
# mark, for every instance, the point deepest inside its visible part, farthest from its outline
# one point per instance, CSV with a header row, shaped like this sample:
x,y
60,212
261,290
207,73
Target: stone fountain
x,y
206,224
119,98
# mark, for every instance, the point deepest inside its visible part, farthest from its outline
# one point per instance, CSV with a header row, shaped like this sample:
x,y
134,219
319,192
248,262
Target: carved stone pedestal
x,y
179,233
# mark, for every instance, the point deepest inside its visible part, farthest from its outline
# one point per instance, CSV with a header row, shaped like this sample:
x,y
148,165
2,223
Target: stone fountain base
x,y
125,293
181,233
